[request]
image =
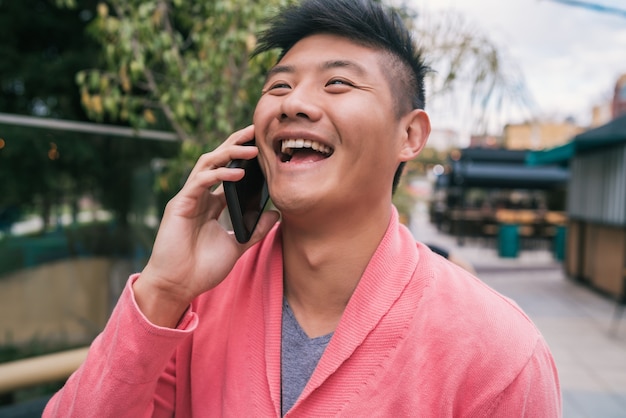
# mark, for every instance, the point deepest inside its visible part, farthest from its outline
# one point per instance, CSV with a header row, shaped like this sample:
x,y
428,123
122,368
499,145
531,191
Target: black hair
x,y
366,22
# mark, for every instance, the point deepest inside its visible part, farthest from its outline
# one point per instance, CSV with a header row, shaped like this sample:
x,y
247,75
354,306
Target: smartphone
x,y
246,198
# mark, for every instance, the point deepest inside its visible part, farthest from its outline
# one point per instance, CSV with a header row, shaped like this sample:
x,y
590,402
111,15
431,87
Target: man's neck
x,y
323,268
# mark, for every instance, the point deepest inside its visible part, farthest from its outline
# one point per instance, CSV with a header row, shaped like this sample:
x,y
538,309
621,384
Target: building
x,y
596,204
539,135
485,141
619,97
601,114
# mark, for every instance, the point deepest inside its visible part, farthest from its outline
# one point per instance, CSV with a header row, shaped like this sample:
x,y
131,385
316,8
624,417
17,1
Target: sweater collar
x,y
384,279
382,283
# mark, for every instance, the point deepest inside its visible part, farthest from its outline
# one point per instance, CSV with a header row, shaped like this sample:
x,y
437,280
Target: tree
x,y
41,52
469,69
43,47
179,64
184,66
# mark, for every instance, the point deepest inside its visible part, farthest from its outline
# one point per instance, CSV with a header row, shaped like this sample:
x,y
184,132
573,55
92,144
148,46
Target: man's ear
x,y
417,127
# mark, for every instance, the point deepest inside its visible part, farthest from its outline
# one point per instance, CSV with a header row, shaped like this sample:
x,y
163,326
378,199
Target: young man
x,y
334,311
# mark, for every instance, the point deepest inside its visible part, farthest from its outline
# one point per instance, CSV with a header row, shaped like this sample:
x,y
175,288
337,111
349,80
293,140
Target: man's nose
x,y
302,102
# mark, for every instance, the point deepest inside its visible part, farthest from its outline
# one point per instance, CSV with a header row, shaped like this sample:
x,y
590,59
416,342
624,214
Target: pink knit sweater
x,y
420,337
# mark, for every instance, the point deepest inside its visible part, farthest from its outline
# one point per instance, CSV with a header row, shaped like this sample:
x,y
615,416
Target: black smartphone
x,y
246,198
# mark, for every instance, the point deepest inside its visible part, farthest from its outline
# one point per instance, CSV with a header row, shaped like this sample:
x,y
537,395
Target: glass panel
x,y
78,214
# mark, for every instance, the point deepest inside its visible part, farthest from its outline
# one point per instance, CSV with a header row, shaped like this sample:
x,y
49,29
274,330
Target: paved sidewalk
x,y
576,321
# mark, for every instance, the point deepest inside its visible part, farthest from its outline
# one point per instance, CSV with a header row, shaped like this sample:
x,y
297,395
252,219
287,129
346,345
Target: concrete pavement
x,y
576,321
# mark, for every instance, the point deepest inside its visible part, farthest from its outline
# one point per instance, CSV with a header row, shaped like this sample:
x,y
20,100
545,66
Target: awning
x,y
556,155
613,133
493,155
496,175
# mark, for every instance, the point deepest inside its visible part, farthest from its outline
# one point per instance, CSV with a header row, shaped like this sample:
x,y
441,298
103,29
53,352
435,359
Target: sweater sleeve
x,y
535,392
129,370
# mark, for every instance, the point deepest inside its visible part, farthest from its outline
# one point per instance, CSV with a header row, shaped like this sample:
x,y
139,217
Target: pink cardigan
x,y
419,337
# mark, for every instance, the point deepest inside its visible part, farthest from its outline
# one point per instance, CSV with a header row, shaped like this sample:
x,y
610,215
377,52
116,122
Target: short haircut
x,y
365,22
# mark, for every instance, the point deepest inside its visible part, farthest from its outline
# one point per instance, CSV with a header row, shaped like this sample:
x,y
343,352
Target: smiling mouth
x,y
303,150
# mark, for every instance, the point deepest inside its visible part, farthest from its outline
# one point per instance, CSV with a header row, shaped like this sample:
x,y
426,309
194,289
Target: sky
x,y
570,57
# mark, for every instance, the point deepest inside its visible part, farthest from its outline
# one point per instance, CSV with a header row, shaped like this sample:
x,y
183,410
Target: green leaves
x,y
70,4
178,65
187,62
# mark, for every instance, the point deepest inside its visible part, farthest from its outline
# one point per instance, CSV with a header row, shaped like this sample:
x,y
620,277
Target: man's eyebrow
x,y
327,65
280,69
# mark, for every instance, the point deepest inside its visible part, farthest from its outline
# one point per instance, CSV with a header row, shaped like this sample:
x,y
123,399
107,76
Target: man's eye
x,y
279,86
276,88
338,82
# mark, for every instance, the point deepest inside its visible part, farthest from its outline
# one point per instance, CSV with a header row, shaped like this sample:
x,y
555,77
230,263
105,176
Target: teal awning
x,y
612,133
556,155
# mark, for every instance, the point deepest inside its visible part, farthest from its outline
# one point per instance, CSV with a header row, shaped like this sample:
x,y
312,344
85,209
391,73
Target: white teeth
x,y
289,145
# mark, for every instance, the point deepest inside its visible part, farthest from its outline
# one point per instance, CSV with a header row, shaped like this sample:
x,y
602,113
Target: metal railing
x,y
38,370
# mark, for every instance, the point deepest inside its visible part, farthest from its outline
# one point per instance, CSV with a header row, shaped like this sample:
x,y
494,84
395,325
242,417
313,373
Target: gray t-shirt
x,y
299,357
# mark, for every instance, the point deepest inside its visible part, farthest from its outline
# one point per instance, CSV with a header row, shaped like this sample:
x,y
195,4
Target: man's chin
x,y
297,205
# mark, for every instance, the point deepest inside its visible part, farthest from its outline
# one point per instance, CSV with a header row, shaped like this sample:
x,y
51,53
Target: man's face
x,y
326,128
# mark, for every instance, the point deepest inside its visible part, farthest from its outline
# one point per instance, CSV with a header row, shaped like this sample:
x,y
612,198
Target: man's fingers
x,y
211,170
229,150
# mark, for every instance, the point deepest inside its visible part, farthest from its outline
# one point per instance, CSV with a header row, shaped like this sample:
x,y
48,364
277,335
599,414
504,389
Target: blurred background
x,y
106,105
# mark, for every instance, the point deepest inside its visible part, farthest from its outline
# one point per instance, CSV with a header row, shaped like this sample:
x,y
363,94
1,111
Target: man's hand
x,y
192,252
